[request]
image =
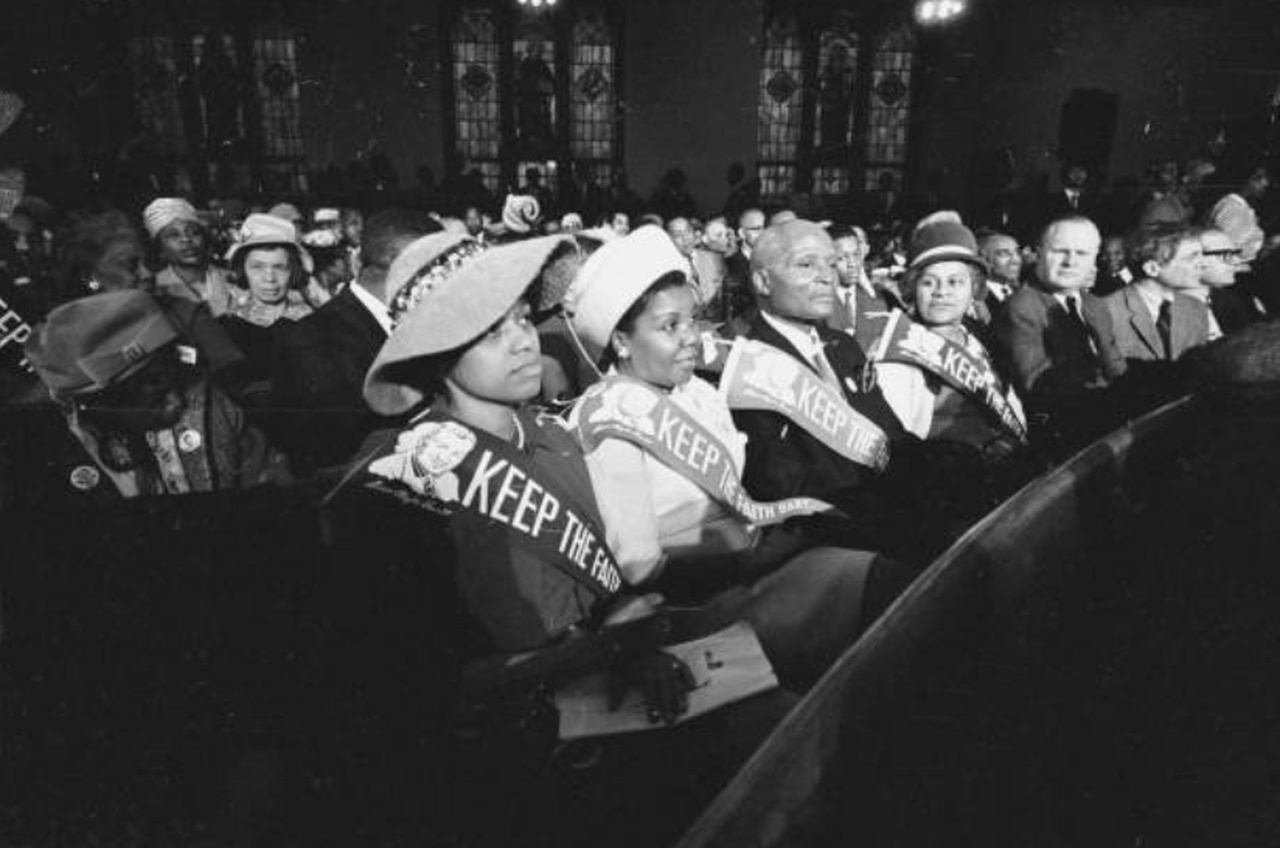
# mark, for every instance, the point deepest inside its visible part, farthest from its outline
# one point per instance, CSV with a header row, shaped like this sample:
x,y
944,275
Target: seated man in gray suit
x,y
1058,342
1154,317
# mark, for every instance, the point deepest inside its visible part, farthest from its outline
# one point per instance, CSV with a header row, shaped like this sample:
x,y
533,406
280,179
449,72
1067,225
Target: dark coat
x,y
318,382
785,461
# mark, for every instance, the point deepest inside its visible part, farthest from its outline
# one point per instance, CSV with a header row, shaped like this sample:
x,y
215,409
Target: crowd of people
x,y
632,430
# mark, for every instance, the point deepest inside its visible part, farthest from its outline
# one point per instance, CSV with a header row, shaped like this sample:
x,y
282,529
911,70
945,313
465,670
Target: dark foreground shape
x,y
1093,664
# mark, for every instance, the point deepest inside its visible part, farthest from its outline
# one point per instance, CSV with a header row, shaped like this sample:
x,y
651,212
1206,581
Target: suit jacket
x,y
785,461
1234,308
1051,359
318,382
1136,333
860,314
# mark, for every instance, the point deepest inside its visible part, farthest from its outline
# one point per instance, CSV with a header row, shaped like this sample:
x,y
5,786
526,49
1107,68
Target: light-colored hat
x,y
455,309
613,278
10,108
287,211
163,211
89,344
420,266
327,215
521,213
259,230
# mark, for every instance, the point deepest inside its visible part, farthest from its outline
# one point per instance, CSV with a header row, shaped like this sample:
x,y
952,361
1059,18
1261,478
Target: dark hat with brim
x,y
89,344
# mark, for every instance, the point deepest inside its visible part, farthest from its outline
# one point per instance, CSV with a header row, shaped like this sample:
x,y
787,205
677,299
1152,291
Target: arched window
x,y
534,89
834,103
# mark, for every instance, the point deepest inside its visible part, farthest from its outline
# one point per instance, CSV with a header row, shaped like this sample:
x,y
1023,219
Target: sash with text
x,y
911,343
485,485
627,409
759,376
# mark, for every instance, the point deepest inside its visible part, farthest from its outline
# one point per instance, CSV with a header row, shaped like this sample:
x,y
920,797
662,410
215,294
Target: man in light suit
x,y
1057,340
1155,319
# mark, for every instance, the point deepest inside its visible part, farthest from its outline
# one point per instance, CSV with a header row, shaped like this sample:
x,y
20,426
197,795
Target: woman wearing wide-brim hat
x,y
532,566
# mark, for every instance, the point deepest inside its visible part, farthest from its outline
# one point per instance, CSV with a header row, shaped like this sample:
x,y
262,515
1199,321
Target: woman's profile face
x,y
121,266
504,365
662,347
944,293
267,271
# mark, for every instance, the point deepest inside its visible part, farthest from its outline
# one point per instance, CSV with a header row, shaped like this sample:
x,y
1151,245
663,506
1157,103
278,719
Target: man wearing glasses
x,y
1232,307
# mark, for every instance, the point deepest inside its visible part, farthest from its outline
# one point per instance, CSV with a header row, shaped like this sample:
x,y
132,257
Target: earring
x,y
624,354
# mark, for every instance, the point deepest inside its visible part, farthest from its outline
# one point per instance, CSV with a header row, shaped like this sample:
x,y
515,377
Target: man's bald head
x,y
793,269
776,240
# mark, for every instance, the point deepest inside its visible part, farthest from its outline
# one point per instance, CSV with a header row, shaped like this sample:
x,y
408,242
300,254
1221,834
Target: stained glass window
x,y
890,103
217,81
781,80
276,80
155,76
478,122
593,94
533,57
837,81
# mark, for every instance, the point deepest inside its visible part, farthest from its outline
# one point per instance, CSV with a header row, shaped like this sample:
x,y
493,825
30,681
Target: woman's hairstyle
x,y
297,274
627,323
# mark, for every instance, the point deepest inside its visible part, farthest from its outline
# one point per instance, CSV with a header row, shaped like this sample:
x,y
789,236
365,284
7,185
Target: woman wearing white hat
x,y
666,461
532,567
182,245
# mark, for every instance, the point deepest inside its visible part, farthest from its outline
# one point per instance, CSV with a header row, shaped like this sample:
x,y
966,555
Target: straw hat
x,y
259,230
451,309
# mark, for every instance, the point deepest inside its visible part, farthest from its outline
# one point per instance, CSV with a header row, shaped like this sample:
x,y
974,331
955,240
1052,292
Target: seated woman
x,y
532,565
140,417
270,269
665,460
934,372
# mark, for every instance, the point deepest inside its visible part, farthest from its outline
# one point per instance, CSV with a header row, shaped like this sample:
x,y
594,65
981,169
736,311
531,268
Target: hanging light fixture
x,y
537,4
936,11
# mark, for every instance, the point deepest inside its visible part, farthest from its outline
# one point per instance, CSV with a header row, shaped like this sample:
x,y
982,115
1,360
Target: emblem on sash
x,y
85,477
189,441
424,459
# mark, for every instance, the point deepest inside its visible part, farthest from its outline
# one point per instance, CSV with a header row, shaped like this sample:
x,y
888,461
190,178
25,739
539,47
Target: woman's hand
x,y
664,681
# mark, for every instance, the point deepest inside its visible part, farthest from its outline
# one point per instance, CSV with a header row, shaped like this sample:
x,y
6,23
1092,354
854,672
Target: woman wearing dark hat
x,y
936,375
143,421
666,461
533,567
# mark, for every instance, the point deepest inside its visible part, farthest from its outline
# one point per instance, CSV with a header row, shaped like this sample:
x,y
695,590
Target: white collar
x,y
804,338
376,307
1153,294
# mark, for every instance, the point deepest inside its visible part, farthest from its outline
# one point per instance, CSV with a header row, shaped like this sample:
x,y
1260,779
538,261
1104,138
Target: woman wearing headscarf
x,y
182,246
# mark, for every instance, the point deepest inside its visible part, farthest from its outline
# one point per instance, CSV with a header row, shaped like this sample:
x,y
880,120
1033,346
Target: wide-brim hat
x,y
454,310
263,230
613,279
84,346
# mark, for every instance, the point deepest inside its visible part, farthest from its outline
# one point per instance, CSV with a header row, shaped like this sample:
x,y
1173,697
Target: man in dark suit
x,y
1057,340
1155,319
1232,307
794,275
321,360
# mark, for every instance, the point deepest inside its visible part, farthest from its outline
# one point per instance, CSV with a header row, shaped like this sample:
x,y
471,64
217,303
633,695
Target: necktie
x,y
1073,307
819,361
1164,326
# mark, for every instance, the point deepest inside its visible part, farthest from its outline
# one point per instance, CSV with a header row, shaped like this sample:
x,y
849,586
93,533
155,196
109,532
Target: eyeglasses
x,y
1226,251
